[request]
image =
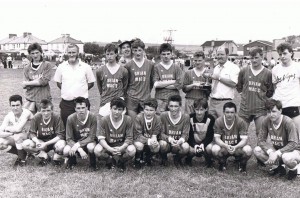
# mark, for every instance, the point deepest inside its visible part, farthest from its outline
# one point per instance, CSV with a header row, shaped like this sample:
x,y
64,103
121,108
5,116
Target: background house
x,y
266,46
59,45
210,48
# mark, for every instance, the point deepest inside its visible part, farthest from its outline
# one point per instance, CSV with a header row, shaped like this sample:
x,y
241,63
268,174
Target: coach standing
x,y
74,78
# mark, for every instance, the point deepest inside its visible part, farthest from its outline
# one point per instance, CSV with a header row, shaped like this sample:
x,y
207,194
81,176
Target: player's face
x,y
256,60
72,54
16,107
166,56
200,112
174,108
126,50
46,112
111,56
138,53
199,62
275,114
229,114
285,56
221,56
149,112
116,112
81,110
35,55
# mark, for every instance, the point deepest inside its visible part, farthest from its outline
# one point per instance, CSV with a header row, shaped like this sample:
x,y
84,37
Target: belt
x,y
221,99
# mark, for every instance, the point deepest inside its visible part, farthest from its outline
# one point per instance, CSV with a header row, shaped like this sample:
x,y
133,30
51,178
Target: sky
x,y
195,21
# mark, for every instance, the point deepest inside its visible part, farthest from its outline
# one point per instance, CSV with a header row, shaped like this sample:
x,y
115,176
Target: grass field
x,y
157,181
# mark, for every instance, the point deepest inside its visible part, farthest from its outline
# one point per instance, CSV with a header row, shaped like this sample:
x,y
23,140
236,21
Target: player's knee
x,y
257,151
208,148
18,138
59,146
215,150
66,150
247,150
185,148
98,150
163,146
3,144
27,144
288,158
90,147
154,149
139,146
131,150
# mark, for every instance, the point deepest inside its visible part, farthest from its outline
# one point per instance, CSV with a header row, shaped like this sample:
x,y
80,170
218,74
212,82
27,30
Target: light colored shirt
x,y
74,79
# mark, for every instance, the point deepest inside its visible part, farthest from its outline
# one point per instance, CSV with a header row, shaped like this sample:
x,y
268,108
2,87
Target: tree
x,y
93,48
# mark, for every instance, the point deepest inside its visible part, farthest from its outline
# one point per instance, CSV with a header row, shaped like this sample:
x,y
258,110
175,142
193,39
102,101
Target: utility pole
x,y
169,38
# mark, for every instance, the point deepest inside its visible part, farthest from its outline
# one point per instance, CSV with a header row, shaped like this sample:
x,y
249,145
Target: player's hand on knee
x,y
273,158
41,146
82,153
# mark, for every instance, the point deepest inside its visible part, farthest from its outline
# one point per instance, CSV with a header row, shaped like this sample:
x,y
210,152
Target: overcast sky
x,y
195,21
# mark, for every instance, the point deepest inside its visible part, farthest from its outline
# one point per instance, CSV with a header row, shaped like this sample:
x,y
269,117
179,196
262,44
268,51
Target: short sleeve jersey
x,y
11,120
189,78
233,135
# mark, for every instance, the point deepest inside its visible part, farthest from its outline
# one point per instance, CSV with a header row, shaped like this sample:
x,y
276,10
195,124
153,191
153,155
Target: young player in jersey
x,y
14,129
112,79
167,77
286,79
37,77
80,135
231,138
175,131
126,54
255,86
193,82
147,126
47,132
201,132
140,75
115,137
285,141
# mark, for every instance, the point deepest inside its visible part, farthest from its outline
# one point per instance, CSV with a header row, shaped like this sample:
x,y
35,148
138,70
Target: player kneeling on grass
x,y
147,126
285,141
175,131
201,132
14,129
47,132
80,134
115,136
231,138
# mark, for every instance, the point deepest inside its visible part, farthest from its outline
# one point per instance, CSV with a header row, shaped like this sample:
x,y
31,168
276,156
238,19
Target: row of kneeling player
x,y
117,138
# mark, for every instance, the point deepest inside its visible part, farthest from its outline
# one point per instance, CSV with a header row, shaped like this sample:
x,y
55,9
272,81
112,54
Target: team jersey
x,y
140,80
233,135
43,73
175,130
111,85
285,137
189,78
143,130
286,80
207,136
115,135
47,130
11,120
255,90
162,74
82,132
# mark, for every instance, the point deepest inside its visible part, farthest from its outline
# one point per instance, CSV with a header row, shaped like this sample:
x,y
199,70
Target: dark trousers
x,y
9,64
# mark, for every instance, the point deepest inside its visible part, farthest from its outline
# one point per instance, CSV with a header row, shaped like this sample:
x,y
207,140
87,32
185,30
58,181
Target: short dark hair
x,y
201,102
256,50
175,98
138,43
118,102
80,100
271,103
229,105
283,46
46,103
111,47
15,98
151,102
34,46
199,54
165,47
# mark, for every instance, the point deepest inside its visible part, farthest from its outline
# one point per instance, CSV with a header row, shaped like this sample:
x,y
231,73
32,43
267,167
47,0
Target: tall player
x,y
193,82
146,129
115,137
37,77
14,129
111,79
285,141
175,132
80,135
167,77
255,86
286,79
231,138
47,133
140,75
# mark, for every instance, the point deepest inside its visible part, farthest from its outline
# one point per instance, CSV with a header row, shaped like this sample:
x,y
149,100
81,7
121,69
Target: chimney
x,y
11,35
250,41
29,34
67,35
25,34
212,43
